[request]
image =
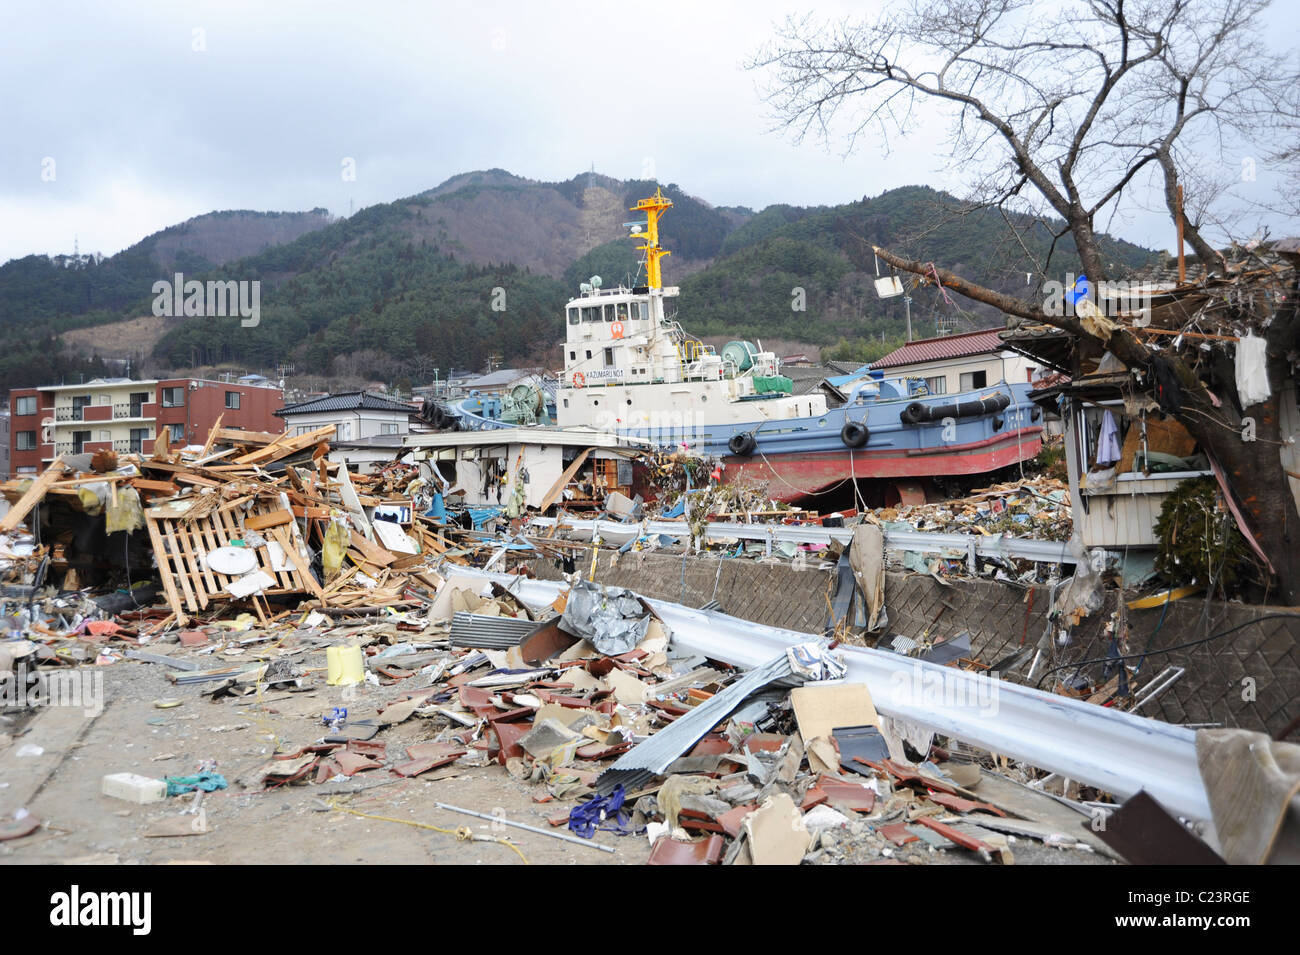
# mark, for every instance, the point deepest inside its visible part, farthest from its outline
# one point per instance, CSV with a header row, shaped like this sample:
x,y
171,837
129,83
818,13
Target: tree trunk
x,y
1253,468
1085,240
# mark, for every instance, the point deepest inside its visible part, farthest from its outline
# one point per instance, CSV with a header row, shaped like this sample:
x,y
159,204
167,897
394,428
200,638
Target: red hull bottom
x,y
791,477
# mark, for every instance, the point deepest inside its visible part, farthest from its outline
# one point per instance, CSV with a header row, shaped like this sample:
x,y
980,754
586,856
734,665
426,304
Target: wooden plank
x,y
373,553
315,513
165,571
159,487
286,446
194,601
32,497
212,435
236,436
96,479
261,521
563,480
206,529
217,456
194,543
281,535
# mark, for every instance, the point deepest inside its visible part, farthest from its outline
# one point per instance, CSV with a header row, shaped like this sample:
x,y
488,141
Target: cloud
x,y
156,112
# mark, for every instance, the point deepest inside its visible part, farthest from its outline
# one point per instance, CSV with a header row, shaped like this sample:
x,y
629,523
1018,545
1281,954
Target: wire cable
x,y
463,833
1180,646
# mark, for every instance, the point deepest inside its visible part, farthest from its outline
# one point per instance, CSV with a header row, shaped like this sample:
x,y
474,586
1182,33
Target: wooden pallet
x,y
180,546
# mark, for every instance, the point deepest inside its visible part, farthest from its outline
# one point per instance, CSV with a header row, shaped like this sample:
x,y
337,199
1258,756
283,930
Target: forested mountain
x,y
482,265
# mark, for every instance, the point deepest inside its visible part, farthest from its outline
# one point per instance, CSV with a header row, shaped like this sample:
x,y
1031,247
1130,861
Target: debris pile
x,y
249,522
1034,507
780,764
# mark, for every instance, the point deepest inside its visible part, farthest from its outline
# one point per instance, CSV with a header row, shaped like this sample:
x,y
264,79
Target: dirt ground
x,y
290,824
53,758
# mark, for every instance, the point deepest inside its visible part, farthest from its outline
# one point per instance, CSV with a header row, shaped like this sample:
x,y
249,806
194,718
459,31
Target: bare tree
x,y
1082,111
1071,113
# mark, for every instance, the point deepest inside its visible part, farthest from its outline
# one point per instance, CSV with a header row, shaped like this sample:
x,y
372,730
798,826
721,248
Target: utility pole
x,y
907,307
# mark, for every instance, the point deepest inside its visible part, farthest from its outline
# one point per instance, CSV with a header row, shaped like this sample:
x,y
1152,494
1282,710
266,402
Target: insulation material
x,y
127,514
1164,436
337,539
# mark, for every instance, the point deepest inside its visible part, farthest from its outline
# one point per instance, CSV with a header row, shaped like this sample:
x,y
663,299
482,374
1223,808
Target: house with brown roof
x,y
964,362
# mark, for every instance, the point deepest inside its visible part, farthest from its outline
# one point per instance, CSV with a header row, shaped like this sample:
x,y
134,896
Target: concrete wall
x,y
204,404
1249,679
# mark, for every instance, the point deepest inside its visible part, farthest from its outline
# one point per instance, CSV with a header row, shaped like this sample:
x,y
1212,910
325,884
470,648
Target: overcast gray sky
x,y
119,119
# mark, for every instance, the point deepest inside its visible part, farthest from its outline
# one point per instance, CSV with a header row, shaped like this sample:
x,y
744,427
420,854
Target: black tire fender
x,y
742,444
854,434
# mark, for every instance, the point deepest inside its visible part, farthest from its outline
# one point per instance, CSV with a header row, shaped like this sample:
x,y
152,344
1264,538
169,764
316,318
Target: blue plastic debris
x,y
586,817
208,782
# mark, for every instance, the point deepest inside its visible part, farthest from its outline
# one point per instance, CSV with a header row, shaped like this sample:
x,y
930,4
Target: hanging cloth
x,y
1108,443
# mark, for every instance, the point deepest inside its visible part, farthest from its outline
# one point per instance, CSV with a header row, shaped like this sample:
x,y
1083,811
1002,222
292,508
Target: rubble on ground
x,y
279,581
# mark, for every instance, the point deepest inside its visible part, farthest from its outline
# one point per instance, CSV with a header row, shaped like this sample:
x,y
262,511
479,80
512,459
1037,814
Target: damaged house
x,y
1128,446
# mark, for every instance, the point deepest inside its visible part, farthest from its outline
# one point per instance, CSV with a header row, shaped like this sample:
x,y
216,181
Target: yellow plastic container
x,y
344,666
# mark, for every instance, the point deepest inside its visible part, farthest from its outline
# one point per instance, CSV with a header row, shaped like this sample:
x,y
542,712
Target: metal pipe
x,y
1117,752
1054,552
519,825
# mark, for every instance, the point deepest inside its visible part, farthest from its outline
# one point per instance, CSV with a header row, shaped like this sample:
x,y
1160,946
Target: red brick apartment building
x,y
125,416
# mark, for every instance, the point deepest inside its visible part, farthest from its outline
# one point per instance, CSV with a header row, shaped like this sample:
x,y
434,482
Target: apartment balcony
x,y
131,410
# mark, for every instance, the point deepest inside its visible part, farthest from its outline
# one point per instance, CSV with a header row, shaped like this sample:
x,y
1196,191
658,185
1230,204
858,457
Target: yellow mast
x,y
653,208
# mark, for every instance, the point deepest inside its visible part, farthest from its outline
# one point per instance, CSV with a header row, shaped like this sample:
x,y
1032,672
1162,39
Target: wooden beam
x,y
34,495
257,522
235,436
158,487
285,446
212,435
563,480
290,548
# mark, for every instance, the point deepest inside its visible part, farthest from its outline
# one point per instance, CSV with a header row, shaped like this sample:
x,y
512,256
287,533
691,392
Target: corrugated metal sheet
x,y
651,758
495,633
944,347
1118,752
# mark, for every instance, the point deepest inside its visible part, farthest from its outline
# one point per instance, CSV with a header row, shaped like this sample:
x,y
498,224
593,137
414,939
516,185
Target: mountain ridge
x,y
410,285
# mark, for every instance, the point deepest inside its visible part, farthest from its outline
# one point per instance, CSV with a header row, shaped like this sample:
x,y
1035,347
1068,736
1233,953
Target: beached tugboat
x,y
629,368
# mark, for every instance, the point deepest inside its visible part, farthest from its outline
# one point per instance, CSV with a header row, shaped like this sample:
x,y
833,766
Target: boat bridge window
x,y
609,313
637,311
573,315
591,313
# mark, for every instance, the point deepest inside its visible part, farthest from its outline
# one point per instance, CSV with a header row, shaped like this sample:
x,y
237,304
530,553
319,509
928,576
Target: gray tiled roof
x,y
347,401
